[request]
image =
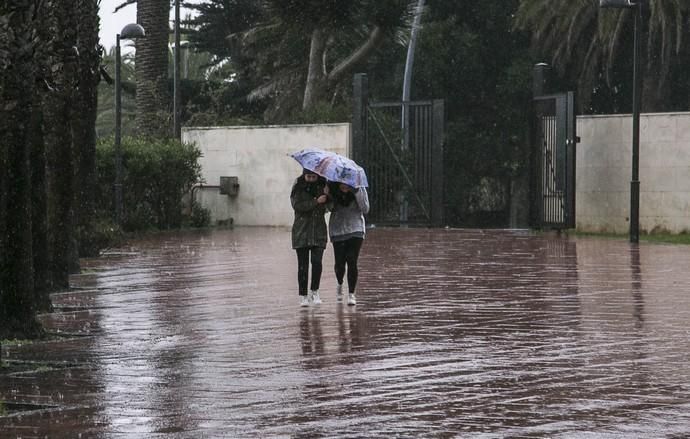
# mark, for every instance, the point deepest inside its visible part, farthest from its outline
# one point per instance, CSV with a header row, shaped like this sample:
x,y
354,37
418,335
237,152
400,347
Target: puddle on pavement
x,y
8,408
20,367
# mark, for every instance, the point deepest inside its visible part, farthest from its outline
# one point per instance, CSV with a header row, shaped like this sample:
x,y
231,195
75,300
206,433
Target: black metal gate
x,y
553,162
400,145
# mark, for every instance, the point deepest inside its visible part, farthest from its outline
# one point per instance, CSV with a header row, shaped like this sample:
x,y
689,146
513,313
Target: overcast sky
x,y
113,22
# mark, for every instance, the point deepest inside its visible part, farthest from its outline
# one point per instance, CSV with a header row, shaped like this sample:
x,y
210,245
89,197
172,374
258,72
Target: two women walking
x,y
311,198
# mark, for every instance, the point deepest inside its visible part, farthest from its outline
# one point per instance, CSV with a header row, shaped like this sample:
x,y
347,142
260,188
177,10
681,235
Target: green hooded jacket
x,y
309,228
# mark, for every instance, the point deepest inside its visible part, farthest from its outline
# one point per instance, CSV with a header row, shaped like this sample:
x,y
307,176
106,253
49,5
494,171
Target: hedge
x,y
157,173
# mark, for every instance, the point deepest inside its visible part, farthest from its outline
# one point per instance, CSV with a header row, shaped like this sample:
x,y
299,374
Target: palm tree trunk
x,y
16,83
153,115
84,128
39,182
39,208
58,108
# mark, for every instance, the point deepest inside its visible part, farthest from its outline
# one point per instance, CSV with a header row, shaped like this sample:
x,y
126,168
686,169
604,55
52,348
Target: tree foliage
x,y
105,118
295,53
592,47
469,54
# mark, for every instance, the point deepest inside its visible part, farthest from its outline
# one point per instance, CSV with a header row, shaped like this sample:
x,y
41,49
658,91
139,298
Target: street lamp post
x,y
176,75
637,78
129,32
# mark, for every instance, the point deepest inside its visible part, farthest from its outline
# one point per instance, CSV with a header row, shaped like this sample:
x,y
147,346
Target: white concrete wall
x,y
604,162
258,156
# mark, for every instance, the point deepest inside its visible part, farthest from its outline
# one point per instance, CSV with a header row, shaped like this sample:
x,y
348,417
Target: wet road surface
x,y
457,333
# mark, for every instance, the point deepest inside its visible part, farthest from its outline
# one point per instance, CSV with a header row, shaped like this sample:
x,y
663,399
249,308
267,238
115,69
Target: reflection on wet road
x,y
457,333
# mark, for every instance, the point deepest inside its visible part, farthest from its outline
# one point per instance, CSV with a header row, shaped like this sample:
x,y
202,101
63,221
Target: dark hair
x,y
314,189
341,198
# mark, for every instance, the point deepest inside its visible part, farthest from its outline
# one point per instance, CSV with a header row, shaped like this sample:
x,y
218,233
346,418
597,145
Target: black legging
x,y
303,268
347,252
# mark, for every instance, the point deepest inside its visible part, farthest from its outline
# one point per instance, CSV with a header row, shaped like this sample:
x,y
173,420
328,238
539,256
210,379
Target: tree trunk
x,y
151,60
315,73
39,209
39,183
318,81
84,126
17,316
58,117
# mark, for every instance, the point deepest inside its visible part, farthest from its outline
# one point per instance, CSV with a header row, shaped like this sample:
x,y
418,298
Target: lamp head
x,y
617,4
132,31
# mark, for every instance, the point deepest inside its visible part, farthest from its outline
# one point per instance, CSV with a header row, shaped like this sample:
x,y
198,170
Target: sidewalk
x,y
457,334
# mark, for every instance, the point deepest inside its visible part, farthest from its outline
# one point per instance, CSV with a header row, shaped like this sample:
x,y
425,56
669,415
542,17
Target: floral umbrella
x,y
332,166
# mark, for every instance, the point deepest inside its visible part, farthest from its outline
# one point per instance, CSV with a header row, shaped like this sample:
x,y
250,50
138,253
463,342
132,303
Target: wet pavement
x,y
457,333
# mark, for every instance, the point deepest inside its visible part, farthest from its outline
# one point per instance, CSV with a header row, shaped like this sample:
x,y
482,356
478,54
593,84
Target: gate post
x,y
360,98
437,209
571,160
540,83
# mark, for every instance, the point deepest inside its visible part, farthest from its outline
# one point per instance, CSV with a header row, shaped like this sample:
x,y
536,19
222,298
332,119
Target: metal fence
x,y
400,145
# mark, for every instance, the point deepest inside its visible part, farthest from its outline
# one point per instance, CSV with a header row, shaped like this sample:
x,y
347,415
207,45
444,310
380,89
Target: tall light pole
x,y
177,131
129,32
407,84
637,80
407,78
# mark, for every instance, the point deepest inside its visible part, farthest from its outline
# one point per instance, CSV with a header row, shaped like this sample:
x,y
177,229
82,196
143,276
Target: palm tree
x,y
587,42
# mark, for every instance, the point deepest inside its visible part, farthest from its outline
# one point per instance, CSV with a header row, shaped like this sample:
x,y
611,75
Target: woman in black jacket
x,y
309,197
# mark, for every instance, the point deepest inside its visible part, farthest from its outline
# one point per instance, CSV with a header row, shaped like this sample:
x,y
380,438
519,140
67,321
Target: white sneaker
x,y
315,298
303,301
339,293
351,299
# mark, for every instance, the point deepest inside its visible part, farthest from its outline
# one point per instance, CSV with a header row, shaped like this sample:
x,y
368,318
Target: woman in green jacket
x,y
309,197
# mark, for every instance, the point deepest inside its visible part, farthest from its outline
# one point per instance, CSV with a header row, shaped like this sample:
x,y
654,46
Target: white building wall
x,y
258,156
604,162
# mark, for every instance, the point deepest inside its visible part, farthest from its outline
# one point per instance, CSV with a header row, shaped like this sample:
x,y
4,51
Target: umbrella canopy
x,y
332,166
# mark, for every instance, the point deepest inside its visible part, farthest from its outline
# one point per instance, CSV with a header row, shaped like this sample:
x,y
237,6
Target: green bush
x,y
201,217
157,173
99,234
